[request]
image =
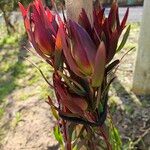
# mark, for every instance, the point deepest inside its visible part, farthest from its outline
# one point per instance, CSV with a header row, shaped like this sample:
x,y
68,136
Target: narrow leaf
x,y
58,135
99,66
75,104
58,50
107,87
84,21
124,40
40,72
54,109
67,53
112,65
78,89
112,45
71,129
100,108
125,19
23,10
98,101
117,137
112,15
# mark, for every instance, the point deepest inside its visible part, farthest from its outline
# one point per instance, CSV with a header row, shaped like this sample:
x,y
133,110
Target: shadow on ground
x,y
121,90
55,147
132,118
9,84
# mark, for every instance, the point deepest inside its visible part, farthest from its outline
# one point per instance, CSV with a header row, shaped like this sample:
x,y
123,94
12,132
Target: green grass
x,y
2,111
19,78
9,40
17,119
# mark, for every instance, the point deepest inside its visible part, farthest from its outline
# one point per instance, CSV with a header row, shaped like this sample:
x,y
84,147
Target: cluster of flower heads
x,y
81,54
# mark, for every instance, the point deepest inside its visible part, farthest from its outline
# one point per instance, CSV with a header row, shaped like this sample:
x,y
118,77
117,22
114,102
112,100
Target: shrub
x,y
81,55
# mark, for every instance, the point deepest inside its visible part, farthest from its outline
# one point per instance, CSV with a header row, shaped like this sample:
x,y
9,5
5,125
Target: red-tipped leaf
x,y
99,67
123,23
84,21
67,53
83,49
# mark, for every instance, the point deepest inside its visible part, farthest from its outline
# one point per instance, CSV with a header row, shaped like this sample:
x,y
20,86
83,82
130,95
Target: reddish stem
x,y
109,147
66,137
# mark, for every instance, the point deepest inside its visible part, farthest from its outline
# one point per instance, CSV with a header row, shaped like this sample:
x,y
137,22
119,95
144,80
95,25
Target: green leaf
x,y
107,87
99,66
71,129
75,87
58,135
75,148
53,108
111,66
100,108
54,112
124,40
40,72
114,136
98,98
58,58
117,137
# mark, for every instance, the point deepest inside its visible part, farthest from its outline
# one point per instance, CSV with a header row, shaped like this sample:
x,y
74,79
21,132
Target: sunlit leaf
x,y
124,40
58,135
112,65
53,108
67,53
83,48
75,87
99,66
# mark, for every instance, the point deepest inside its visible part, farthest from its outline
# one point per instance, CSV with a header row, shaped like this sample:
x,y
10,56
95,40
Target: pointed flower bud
x,y
41,27
83,48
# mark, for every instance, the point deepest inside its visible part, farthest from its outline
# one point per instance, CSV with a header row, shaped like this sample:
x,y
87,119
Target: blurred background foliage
x,y
6,9
9,6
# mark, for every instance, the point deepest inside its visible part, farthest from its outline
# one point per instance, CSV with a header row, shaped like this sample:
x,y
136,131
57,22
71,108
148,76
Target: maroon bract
x,y
107,29
41,27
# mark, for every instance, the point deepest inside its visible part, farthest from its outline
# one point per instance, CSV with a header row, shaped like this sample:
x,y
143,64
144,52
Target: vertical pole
x,y
74,8
141,80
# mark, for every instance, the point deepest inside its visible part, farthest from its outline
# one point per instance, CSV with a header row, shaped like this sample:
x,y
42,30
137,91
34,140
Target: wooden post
x,y
141,80
74,8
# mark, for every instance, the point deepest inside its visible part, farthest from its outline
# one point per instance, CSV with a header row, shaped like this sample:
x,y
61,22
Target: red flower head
x,y
41,26
82,56
107,29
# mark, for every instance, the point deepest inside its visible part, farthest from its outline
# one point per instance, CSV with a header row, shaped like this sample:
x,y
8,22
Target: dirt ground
x,y
34,129
130,111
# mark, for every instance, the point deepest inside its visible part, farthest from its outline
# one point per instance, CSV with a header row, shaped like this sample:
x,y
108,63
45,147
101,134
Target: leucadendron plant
x,y
81,55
